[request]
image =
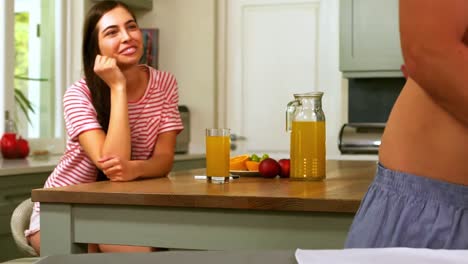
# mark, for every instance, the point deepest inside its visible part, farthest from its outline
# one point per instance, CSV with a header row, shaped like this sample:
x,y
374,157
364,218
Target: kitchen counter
x,y
180,211
32,165
28,165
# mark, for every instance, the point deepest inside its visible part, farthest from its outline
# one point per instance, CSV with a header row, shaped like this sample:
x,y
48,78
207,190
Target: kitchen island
x,y
182,212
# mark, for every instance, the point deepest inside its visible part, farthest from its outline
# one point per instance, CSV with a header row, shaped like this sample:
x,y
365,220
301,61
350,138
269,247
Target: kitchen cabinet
x,y
136,4
370,39
188,162
13,190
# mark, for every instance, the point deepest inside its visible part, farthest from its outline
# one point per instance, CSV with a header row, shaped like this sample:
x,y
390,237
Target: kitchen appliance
x,y
360,138
183,138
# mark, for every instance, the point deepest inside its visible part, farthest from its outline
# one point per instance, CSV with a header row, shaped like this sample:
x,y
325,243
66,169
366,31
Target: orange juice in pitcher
x,y
308,150
306,122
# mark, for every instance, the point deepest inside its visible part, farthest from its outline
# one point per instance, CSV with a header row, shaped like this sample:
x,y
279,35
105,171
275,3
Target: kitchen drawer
x,y
35,180
16,188
5,217
13,190
16,195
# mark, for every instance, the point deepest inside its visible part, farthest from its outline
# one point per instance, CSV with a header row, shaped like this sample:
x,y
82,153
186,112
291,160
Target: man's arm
x,y
434,36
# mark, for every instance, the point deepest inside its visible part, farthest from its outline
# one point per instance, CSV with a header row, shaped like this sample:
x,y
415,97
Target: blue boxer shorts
x,y
404,210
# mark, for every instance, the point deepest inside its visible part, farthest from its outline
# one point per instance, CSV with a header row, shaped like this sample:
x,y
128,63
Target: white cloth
x,y
382,256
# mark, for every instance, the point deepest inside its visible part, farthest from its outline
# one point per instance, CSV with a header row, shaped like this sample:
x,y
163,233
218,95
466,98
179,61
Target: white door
x,y
275,48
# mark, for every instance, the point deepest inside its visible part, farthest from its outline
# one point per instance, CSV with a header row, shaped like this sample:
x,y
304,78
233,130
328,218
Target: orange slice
x,y
238,162
252,165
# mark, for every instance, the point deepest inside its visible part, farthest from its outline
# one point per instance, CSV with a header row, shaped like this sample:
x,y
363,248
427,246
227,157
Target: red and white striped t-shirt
x,y
156,112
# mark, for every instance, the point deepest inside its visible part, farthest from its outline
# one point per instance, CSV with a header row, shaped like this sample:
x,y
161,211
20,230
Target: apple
x,y
14,147
22,148
285,166
269,168
8,145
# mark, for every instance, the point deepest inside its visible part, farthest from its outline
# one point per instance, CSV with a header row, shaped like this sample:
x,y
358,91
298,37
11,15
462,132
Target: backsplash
x,y
372,99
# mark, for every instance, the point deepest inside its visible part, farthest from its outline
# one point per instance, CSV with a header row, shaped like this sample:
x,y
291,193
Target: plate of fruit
x,y
254,166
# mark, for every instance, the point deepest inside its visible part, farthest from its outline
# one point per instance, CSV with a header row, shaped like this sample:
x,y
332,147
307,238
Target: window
x,y
36,31
34,75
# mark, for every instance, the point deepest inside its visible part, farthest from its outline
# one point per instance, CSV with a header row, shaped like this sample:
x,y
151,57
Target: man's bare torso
x,y
422,138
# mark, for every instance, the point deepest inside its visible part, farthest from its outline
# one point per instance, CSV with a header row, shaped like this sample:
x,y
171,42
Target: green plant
x,y
23,102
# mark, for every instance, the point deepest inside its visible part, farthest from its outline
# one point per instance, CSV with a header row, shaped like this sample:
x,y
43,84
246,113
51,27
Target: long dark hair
x,y
100,91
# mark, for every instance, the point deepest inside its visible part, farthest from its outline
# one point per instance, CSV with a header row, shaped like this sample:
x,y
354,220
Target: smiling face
x,y
120,37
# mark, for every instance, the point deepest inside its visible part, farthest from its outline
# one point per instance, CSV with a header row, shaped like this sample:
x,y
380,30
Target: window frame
x,y
67,62
6,72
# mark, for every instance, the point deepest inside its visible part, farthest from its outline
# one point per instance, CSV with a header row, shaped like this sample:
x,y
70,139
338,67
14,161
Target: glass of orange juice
x,y
218,144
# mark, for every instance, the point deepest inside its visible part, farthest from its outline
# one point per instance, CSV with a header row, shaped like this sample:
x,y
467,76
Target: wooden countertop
x,y
342,191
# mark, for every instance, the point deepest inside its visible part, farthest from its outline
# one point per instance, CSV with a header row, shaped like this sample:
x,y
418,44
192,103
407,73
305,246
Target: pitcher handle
x,y
290,109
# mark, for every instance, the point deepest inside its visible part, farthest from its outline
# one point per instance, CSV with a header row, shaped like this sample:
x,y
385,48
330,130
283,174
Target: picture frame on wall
x,y
150,47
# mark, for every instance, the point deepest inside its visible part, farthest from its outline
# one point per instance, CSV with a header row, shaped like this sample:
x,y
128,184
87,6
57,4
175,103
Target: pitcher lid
x,y
309,94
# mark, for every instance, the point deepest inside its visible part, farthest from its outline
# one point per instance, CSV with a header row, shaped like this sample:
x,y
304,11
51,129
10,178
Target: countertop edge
x,y
282,204
31,165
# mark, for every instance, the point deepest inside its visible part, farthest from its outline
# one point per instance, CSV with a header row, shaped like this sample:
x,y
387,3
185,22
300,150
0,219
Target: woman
x,y
419,197
122,118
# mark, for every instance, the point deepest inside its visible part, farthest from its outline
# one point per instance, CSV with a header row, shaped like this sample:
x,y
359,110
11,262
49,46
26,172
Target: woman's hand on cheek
x,y
106,68
117,169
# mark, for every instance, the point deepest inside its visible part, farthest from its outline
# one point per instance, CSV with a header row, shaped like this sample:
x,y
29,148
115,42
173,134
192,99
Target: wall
x,y
187,49
330,78
75,24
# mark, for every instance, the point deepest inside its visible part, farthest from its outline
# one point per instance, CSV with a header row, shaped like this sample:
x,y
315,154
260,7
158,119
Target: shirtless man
x,y
419,197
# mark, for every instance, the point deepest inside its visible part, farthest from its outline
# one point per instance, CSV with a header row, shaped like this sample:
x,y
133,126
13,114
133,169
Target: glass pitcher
x,y
306,122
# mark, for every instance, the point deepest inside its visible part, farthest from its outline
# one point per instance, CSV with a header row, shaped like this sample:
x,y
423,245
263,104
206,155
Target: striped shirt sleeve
x,y
171,120
79,112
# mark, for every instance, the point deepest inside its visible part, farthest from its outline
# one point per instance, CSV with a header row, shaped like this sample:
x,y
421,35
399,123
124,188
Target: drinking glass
x,y
218,145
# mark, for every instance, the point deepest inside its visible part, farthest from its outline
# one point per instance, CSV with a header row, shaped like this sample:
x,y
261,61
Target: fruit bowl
x,y
245,173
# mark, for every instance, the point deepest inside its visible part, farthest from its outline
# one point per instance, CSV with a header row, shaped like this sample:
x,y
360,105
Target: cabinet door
x,y
369,38
274,49
13,190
